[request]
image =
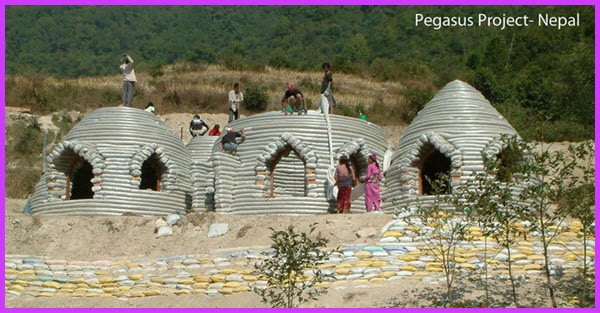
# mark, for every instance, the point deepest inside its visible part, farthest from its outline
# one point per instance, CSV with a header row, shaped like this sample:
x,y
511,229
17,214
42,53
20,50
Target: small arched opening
x,y
433,166
288,174
152,172
79,179
358,167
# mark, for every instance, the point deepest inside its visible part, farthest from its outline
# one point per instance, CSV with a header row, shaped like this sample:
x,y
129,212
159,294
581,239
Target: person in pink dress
x,y
371,181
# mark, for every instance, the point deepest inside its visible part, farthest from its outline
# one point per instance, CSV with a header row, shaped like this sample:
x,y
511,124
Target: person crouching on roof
x,y
293,96
229,140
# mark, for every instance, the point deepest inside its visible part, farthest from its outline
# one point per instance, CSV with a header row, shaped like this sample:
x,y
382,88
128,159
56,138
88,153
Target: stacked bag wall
x,y
202,173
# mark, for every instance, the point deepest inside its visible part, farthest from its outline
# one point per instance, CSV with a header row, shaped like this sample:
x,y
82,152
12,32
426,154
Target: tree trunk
x,y
546,261
583,303
510,275
485,264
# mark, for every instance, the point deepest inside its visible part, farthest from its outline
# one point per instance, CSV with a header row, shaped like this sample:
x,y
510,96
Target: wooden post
x,y
44,153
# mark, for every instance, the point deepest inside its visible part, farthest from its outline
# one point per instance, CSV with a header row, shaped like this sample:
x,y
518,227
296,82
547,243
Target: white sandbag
x,y
217,230
164,231
160,223
172,219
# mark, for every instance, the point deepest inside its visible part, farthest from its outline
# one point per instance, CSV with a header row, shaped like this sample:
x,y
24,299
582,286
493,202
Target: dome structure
x,y
124,160
285,165
447,136
116,160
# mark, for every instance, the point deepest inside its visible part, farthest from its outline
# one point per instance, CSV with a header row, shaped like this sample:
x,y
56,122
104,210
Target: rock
x,y
172,219
164,231
368,232
217,230
160,223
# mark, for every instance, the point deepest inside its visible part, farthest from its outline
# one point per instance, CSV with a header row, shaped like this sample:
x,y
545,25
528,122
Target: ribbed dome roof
x,y
459,123
458,110
124,126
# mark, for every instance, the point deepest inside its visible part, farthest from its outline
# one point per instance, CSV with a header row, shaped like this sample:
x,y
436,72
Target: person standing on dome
x,y
129,80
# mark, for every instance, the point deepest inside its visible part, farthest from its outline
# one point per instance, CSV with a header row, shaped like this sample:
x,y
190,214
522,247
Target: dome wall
x,y
202,172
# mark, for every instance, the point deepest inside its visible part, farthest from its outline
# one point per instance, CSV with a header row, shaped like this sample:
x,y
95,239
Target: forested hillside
x,y
531,74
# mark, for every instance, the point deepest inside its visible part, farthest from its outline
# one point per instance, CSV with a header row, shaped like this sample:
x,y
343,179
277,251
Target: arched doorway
x,y
433,165
79,180
288,174
152,171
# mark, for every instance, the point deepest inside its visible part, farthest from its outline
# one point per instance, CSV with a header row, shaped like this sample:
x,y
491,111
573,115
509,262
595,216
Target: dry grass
x,y
185,87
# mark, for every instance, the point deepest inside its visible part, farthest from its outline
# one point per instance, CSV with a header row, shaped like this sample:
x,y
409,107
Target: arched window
x,y
152,171
433,165
288,174
79,179
509,160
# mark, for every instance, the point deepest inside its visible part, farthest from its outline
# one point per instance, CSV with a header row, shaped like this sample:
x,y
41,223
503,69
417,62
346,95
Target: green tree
x,y
550,180
578,202
357,49
495,205
441,230
293,253
256,98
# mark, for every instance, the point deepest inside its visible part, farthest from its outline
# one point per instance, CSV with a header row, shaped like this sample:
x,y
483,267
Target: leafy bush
x,y
416,99
294,252
256,98
345,110
360,107
309,84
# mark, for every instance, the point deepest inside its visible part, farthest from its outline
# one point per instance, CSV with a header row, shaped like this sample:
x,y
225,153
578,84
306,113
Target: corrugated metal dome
x,y
116,160
448,135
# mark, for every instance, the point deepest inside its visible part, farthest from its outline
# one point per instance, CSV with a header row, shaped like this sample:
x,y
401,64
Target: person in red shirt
x,y
215,131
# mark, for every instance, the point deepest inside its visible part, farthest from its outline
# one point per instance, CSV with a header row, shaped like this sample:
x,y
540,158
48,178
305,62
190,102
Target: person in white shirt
x,y
150,108
129,80
236,97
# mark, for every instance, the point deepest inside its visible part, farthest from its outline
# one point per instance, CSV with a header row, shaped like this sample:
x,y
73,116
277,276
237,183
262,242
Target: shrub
x,y
293,253
256,98
309,84
20,182
345,110
416,99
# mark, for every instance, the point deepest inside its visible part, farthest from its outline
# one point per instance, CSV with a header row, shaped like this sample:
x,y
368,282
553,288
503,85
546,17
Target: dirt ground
x,y
90,238
97,238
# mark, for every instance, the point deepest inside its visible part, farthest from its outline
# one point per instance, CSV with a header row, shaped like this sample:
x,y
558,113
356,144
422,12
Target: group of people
x,y
229,141
198,128
345,179
291,101
293,97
